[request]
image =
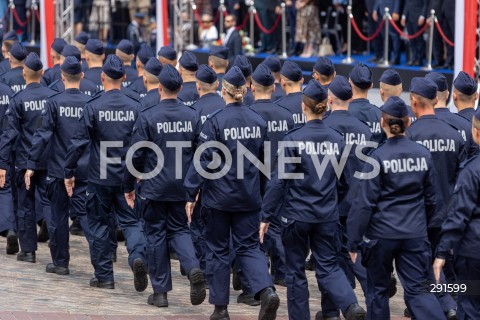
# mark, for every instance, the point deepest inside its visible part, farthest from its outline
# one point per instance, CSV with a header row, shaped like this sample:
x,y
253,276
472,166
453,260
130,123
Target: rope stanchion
x,y
262,27
37,14
199,19
407,36
215,19
364,37
244,23
442,34
17,18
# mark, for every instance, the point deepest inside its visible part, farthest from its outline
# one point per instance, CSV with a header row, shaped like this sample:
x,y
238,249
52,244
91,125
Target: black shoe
x,y
395,62
114,257
26,257
12,242
309,265
182,270
280,282
76,228
197,286
438,65
409,63
140,279
451,314
248,299
158,300
269,304
271,51
319,316
416,63
374,60
392,286
236,284
51,268
43,232
355,312
220,313
102,284
119,234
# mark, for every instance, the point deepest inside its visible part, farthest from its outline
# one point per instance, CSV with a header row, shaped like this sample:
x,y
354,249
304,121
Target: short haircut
x,y
170,92
207,87
262,89
72,77
31,74
151,78
463,97
391,90
126,58
218,63
116,81
422,101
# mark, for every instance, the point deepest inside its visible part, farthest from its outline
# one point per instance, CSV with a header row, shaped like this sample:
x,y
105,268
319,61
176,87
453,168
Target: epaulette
x,y
16,93
464,163
96,96
294,129
53,95
214,113
128,94
53,83
339,132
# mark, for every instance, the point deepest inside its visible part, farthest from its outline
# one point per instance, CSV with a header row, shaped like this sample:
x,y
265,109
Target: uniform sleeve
x,y
343,181
363,207
9,136
80,141
42,135
140,133
429,191
464,204
462,155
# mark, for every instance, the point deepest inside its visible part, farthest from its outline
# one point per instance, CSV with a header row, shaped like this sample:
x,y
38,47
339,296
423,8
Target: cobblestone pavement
x,y
27,292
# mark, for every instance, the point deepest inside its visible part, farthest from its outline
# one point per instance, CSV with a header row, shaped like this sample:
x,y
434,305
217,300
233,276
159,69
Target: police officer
x,y
310,221
360,107
273,63
391,85
279,122
143,55
14,77
460,233
167,55
150,80
108,118
218,61
464,95
245,66
448,151
237,214
86,86
53,73
324,71
94,54
80,41
23,116
60,122
8,225
125,52
292,80
164,125
188,66
387,225
134,31
8,39
463,126
395,11
413,18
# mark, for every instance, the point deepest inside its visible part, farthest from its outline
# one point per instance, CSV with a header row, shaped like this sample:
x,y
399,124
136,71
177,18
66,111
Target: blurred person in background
x,y
308,27
208,33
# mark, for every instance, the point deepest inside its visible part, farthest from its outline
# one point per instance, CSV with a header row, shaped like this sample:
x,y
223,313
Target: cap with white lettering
x,y
341,88
314,90
424,87
395,107
170,78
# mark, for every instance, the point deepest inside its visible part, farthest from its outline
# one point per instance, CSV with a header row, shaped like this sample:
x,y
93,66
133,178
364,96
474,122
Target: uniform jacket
x,y
293,102
207,104
188,94
363,110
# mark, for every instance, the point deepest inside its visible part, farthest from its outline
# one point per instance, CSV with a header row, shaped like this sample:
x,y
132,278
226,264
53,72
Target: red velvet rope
x,y
37,14
405,35
364,37
265,30
17,18
442,34
244,23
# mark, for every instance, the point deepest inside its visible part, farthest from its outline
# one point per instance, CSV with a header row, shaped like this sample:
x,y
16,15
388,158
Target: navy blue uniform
x,y
14,79
248,98
164,205
207,104
412,10
86,86
363,110
131,75
310,220
4,65
231,206
467,113
461,232
152,98
23,119
95,75
108,118
60,122
52,74
463,126
278,93
219,89
84,65
138,87
390,214
293,102
188,94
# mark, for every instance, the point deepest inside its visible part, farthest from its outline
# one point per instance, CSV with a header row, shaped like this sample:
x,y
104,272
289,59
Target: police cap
x,y
244,65
95,46
273,63
219,51
18,51
324,66
71,65
33,62
235,77
125,46
167,53
439,80
391,77
395,107
291,71
113,67
263,76
424,87
170,78
341,88
153,66
189,61
144,53
206,74
314,90
361,76
465,84
70,50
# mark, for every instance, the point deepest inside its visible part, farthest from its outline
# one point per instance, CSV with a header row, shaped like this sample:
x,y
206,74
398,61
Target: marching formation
x,y
250,172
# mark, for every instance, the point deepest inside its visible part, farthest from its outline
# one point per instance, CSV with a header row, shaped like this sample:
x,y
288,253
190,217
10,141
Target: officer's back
x,y
94,53
126,53
143,55
273,63
188,66
291,80
5,95
14,77
52,74
209,101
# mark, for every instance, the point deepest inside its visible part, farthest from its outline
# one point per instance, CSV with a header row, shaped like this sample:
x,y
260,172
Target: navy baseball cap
x,y
58,45
33,62
71,65
395,107
10,35
235,77
263,76
95,46
439,80
153,66
424,87
291,71
341,88
189,61
244,65
167,53
125,46
465,84
206,74
170,78
70,50
361,76
273,63
219,51
82,38
18,51
315,91
391,77
144,53
113,67
324,66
